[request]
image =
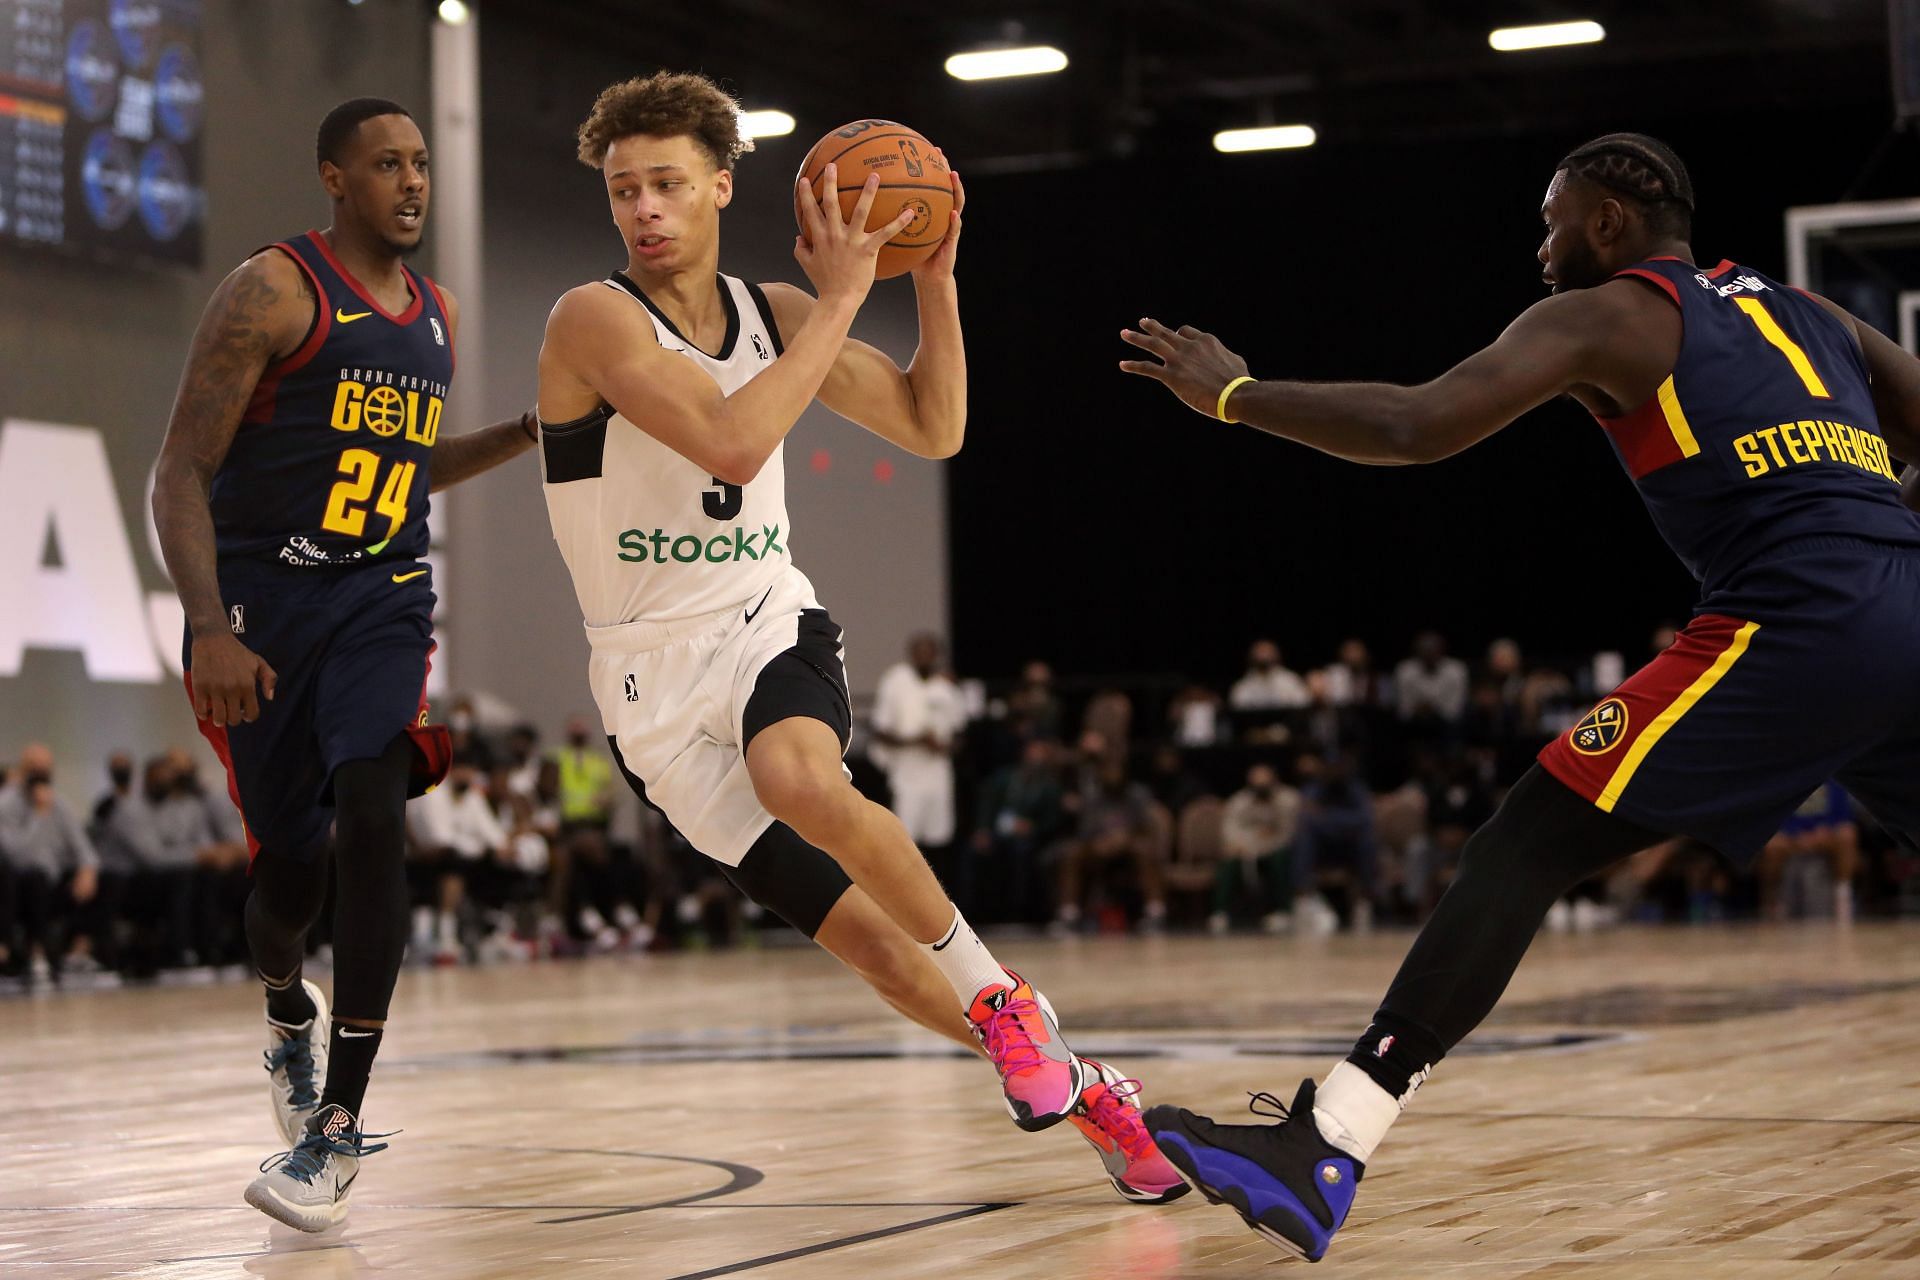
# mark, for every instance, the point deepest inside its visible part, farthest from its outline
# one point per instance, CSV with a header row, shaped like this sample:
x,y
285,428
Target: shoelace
x,y
1277,1109
296,1055
1008,1041
307,1159
1115,1115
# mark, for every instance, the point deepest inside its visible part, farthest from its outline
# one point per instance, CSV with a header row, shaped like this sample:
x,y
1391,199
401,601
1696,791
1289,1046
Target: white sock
x,y
1352,1112
965,961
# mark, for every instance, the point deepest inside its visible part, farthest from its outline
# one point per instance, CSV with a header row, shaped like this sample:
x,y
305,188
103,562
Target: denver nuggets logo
x,y
1601,729
384,412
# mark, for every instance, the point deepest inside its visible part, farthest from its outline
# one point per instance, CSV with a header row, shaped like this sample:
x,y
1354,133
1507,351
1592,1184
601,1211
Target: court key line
x,y
1701,1119
845,1242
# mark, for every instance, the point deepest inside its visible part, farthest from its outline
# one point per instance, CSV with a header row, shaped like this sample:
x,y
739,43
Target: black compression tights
x,y
1542,841
370,907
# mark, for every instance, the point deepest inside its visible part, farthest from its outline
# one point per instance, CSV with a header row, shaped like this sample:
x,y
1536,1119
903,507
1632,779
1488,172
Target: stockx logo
x,y
638,546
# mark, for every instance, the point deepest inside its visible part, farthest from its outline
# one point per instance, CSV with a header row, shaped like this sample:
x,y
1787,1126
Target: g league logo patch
x,y
1601,729
438,336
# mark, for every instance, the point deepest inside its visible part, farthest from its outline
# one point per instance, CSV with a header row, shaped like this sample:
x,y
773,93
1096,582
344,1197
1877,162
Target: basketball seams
x,y
902,251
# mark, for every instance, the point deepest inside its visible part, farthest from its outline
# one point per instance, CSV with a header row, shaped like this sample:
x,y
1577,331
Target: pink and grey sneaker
x,y
1108,1116
1041,1077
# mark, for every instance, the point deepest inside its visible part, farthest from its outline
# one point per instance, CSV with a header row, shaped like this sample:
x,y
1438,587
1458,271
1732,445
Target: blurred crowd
x,y
1302,799
1309,798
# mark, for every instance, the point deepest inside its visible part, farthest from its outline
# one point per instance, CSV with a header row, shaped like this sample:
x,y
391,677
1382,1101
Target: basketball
x,y
913,174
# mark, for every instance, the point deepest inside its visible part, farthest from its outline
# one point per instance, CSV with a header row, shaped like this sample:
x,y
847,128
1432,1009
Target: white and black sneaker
x,y
306,1188
296,1060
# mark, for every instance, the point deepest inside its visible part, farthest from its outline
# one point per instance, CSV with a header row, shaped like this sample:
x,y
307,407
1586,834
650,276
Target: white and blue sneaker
x,y
306,1188
297,1066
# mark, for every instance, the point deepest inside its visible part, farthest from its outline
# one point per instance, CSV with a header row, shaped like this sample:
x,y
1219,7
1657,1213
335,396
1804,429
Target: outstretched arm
x,y
1555,345
259,312
458,458
922,408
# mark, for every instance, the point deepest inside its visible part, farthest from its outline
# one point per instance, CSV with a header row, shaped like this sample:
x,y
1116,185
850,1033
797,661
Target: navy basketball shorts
x,y
1800,669
351,650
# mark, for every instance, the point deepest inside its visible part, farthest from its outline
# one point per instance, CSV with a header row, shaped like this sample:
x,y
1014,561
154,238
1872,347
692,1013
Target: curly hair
x,y
1643,169
665,104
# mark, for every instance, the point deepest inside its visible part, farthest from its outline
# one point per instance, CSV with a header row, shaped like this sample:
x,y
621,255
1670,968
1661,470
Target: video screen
x,y
101,108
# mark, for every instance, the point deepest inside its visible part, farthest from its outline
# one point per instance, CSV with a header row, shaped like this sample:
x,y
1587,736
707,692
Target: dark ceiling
x,y
1150,77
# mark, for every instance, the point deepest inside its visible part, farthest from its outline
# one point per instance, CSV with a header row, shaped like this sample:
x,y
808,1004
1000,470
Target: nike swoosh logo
x,y
348,1033
755,611
343,318
408,577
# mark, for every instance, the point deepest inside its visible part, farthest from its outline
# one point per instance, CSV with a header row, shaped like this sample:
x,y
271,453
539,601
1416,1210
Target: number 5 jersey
x,y
647,535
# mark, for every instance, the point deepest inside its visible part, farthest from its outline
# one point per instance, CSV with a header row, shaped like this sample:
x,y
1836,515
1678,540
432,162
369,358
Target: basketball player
x,y
1757,422
666,391
291,502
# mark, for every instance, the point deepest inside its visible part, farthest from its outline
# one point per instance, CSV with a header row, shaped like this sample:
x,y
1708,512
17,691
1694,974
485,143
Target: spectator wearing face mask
x,y
1430,687
1334,846
460,848
604,880
1257,832
127,840
171,890
463,728
522,763
1034,708
52,869
1021,815
917,719
1117,824
1267,685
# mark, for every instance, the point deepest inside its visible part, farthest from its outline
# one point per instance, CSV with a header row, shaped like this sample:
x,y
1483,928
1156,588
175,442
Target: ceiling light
x,y
1267,137
1546,36
765,124
993,64
454,12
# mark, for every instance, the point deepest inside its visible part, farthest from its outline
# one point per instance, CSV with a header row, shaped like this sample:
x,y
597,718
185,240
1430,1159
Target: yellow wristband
x,y
1220,409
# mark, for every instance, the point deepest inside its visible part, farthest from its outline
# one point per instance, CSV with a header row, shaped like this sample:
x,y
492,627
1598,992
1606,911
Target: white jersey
x,y
647,534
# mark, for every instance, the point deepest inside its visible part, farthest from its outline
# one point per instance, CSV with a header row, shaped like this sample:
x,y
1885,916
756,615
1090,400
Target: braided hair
x,y
1644,170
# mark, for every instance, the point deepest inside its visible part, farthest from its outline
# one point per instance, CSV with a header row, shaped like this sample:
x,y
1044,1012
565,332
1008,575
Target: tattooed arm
x,y
458,458
259,313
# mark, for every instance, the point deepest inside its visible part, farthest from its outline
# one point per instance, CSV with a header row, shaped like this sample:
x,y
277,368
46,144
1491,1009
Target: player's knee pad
x,y
791,878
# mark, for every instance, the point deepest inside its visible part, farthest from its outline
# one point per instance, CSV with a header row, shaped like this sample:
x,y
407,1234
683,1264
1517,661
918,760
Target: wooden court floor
x,y
1646,1104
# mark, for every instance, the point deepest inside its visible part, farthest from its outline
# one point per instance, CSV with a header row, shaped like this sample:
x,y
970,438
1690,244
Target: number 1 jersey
x,y
1765,431
646,534
329,468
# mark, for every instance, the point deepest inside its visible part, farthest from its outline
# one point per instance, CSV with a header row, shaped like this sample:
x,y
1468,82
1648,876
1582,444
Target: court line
x,y
1575,1115
740,1177
753,1264
506,1208
251,1253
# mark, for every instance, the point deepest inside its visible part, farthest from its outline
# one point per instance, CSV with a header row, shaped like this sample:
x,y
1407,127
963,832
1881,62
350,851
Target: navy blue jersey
x,y
1765,431
330,465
